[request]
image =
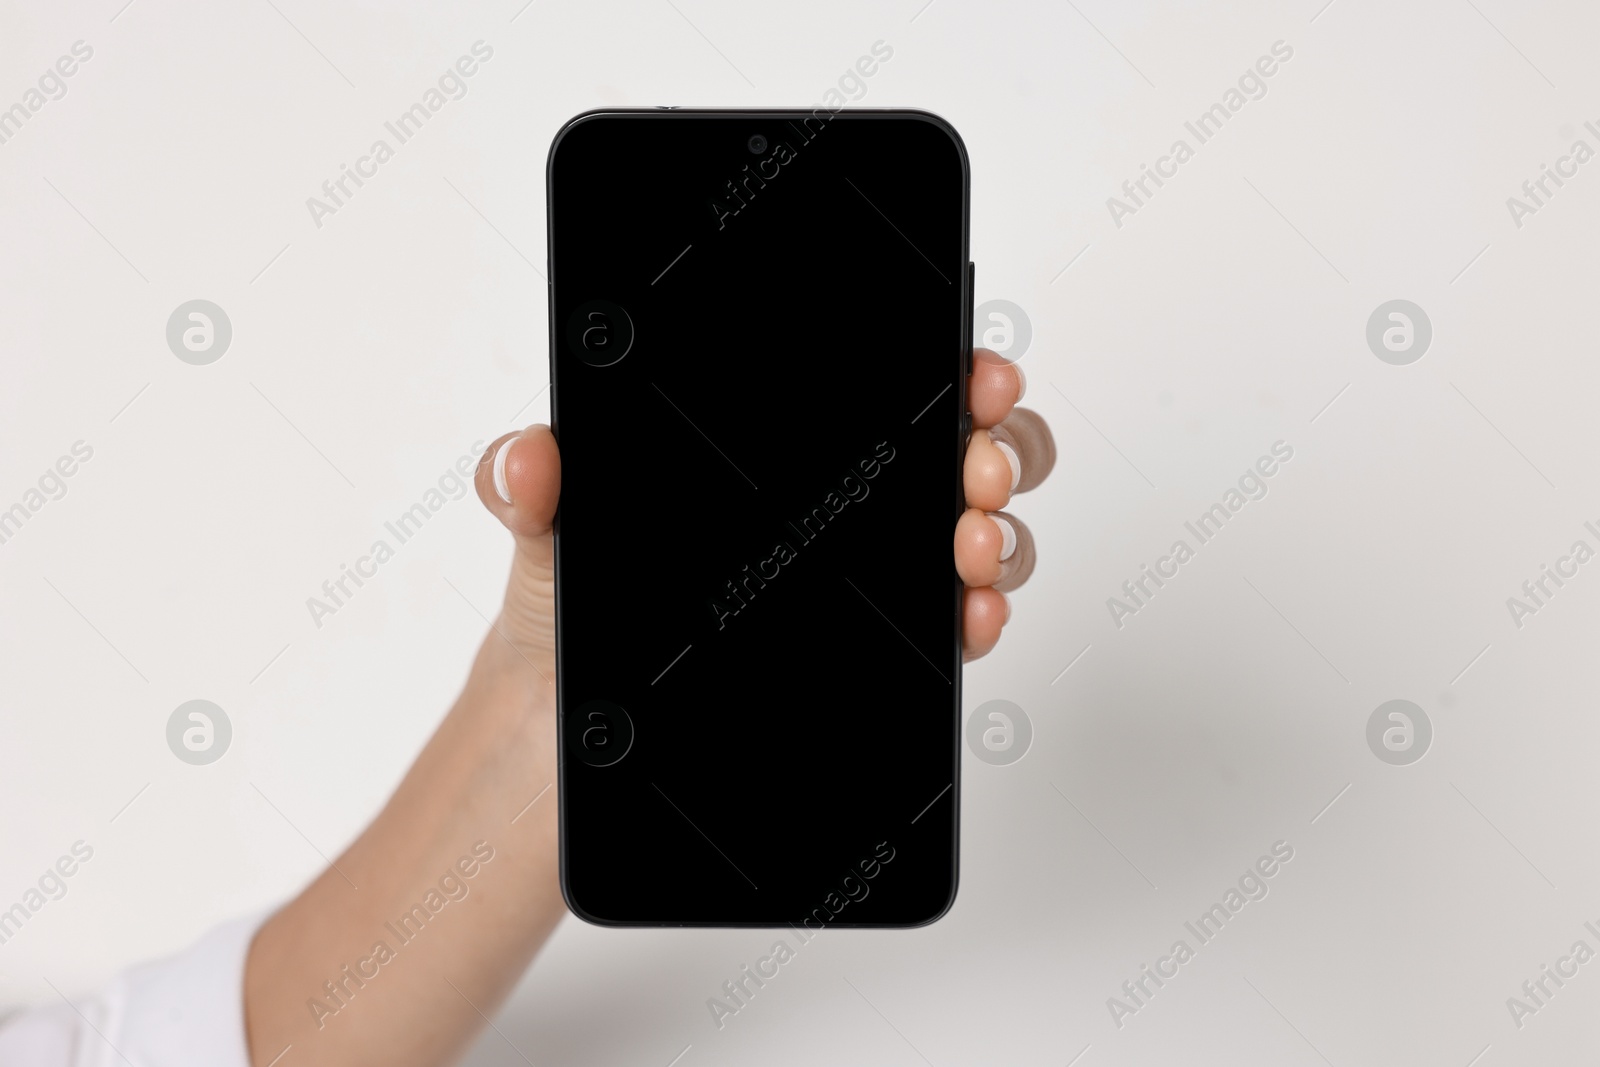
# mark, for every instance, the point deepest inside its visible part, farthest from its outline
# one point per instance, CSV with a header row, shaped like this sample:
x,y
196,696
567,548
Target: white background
x,y
1224,316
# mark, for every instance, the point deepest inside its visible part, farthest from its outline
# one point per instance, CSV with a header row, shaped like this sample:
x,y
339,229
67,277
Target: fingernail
x,y
500,486
1022,381
1011,458
1007,602
1008,538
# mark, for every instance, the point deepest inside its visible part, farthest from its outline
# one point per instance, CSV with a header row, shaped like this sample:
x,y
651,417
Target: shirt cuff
x,y
182,1010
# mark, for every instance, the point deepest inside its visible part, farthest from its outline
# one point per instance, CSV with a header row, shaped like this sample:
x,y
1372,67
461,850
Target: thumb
x,y
519,481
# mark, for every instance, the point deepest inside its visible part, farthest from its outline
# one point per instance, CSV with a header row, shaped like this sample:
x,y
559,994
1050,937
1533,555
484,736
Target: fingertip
x,y
978,544
988,473
984,614
519,479
996,387
533,468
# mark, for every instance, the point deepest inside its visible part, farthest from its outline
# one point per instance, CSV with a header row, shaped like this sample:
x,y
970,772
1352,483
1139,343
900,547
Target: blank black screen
x,y
759,331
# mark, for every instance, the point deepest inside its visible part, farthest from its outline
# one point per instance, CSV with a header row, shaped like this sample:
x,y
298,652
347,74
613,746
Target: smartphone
x,y
760,336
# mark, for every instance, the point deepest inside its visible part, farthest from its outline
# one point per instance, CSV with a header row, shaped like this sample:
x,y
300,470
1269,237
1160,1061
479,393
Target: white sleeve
x,y
184,1010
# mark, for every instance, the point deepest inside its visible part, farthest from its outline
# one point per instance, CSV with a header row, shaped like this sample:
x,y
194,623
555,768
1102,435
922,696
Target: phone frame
x,y
964,348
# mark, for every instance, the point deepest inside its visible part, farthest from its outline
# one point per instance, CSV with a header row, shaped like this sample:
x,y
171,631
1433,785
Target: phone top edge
x,y
670,111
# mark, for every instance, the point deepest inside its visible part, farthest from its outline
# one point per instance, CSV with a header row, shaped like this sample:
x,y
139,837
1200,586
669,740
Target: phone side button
x,y
972,296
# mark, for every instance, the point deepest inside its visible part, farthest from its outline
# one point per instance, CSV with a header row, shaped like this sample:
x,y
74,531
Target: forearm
x,y
407,984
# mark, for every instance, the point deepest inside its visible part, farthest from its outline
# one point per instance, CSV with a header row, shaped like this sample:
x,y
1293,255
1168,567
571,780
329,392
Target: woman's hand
x,y
316,980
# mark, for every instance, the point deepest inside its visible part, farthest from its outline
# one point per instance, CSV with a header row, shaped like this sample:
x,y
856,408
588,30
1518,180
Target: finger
x,y
993,549
519,480
1010,458
991,470
995,388
983,613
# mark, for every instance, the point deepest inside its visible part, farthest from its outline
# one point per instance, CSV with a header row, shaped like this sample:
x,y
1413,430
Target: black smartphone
x,y
760,335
